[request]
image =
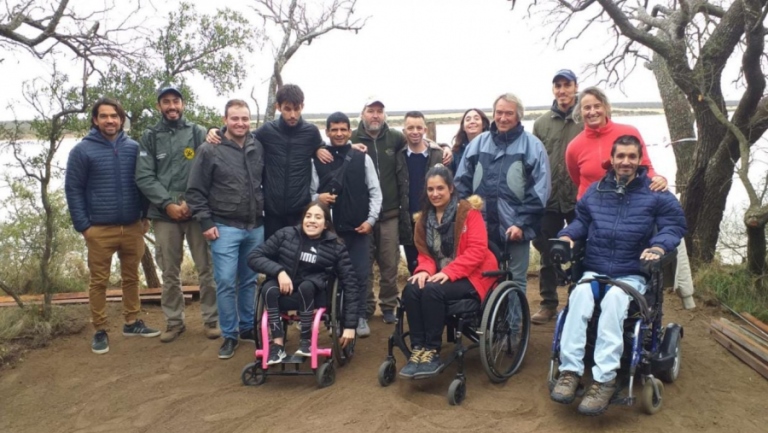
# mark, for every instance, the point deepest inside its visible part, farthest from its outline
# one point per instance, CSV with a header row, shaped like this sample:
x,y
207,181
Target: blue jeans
x,y
610,328
235,281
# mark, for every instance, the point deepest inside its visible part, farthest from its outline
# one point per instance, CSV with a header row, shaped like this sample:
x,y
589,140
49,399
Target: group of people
x,y
280,201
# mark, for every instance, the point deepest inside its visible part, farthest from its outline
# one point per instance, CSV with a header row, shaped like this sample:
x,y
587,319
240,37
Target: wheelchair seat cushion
x,y
463,306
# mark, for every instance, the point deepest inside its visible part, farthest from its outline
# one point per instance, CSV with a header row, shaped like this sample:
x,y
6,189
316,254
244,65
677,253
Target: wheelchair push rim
x,y
503,344
341,355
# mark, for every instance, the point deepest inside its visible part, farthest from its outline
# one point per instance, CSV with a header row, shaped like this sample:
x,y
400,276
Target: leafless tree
x,y
300,25
690,42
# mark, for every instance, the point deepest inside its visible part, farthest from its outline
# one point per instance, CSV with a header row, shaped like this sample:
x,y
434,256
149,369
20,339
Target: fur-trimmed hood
x,y
474,202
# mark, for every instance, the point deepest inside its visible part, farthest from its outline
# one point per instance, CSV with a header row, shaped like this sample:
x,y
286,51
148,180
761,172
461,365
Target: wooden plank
x,y
733,332
755,321
35,299
740,353
154,298
755,335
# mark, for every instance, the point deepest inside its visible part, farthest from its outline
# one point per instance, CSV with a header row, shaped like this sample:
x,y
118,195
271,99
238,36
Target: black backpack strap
x,y
338,176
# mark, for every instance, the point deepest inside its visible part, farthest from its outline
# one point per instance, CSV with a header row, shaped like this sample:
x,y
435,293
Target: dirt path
x,y
142,385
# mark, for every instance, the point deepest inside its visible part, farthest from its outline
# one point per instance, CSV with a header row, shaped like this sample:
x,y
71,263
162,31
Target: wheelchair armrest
x,y
653,266
559,251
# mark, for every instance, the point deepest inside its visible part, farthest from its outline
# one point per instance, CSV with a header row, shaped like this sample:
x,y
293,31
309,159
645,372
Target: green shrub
x,y
733,286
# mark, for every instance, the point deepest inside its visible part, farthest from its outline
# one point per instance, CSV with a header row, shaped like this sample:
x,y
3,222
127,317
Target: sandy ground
x,y
142,385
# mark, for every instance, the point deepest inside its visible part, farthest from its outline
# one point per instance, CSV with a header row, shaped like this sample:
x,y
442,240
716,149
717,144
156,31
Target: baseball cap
x,y
565,73
169,89
372,100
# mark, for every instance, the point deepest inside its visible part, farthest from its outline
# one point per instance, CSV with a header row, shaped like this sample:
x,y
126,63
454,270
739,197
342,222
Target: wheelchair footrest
x,y
295,359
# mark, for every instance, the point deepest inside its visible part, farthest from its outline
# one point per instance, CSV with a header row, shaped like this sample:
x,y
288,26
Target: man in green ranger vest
x,y
165,158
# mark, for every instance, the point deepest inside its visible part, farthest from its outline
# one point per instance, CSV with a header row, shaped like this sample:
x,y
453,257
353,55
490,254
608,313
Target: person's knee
x,y
615,299
433,291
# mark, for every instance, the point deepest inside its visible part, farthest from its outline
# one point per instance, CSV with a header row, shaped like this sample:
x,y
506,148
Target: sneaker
x,y
598,397
565,389
211,330
248,336
543,316
100,342
429,364
389,317
362,328
172,332
227,349
410,368
276,354
305,348
139,328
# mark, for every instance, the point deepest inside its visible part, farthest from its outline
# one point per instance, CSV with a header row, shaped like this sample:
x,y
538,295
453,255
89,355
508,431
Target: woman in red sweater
x,y
591,149
452,241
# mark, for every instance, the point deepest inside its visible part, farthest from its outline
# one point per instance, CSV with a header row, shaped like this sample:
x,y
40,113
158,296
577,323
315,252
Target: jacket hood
x,y
472,202
226,141
641,178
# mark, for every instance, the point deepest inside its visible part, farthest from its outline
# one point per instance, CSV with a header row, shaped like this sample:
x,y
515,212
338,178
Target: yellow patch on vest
x,y
189,153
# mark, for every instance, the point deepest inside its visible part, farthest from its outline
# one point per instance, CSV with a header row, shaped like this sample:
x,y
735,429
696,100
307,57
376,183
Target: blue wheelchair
x,y
499,326
651,352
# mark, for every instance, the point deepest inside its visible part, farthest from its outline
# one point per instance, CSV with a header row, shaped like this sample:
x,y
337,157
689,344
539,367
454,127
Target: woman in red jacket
x,y
591,149
452,242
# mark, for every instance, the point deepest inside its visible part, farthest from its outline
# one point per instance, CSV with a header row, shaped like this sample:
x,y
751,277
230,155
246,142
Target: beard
x,y
373,127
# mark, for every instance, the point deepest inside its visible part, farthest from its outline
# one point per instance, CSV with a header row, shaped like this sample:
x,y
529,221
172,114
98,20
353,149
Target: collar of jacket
x,y
339,149
285,127
557,112
95,135
641,178
168,125
599,132
505,138
363,134
327,235
229,143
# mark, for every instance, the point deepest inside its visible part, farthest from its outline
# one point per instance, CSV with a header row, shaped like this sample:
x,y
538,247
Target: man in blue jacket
x,y
618,215
106,207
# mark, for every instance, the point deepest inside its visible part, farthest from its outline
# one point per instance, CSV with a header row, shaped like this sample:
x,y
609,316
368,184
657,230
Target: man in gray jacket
x,y
556,128
224,194
162,170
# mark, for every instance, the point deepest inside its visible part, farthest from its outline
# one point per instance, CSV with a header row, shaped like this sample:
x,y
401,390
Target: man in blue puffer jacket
x,y
107,208
625,223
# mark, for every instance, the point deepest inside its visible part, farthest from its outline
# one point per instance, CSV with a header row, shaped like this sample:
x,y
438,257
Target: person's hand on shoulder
x,y
658,183
213,136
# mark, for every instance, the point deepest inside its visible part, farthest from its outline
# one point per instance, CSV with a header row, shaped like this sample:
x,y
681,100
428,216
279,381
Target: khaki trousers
x,y
169,238
103,242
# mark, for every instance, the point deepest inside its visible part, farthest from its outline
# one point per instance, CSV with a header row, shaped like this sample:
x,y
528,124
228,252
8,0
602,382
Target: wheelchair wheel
x,y
326,375
650,402
257,319
506,328
671,375
253,375
387,372
456,392
341,355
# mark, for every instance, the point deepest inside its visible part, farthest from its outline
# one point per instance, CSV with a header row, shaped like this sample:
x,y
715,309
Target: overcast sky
x,y
413,54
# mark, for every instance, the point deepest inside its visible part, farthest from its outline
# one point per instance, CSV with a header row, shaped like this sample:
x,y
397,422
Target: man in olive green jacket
x,y
556,128
162,170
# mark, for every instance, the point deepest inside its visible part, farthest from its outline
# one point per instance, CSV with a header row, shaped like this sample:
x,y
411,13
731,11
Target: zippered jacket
x,y
382,151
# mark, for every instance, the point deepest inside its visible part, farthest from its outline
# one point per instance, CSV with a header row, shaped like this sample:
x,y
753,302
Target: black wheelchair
x,y
488,325
322,359
651,352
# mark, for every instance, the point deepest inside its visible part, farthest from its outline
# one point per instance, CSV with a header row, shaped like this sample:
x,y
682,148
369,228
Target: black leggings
x,y
425,309
303,295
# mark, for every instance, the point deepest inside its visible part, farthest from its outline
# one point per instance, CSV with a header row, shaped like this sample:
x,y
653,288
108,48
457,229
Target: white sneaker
x,y
362,328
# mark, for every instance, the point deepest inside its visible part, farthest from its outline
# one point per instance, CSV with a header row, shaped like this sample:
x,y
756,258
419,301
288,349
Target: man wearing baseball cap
x,y
165,158
556,128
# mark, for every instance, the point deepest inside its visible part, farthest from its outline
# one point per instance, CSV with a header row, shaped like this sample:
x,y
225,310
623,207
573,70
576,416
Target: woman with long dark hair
x,y
473,122
452,241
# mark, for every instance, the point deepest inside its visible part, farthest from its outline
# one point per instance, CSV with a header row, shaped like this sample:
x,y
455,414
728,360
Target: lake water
x,y
653,129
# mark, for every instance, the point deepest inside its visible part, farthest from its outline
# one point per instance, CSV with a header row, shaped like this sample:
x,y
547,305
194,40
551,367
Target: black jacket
x,y
288,152
281,253
225,184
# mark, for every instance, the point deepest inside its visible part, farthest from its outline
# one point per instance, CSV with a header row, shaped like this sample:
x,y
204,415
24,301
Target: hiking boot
x,y
211,330
172,332
227,349
429,364
389,317
305,348
410,368
139,328
597,399
362,328
276,354
543,316
248,335
565,389
100,342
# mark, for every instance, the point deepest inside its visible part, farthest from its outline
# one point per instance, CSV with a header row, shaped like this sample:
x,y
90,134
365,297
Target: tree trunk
x,y
150,271
756,253
269,110
45,259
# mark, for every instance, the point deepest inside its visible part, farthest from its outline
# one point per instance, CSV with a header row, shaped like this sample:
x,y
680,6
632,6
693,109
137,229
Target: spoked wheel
x,y
326,375
387,372
456,392
253,375
341,355
506,328
650,402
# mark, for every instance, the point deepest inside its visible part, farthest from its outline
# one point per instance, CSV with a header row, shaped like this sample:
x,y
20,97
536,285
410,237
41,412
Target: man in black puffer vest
x,y
338,185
